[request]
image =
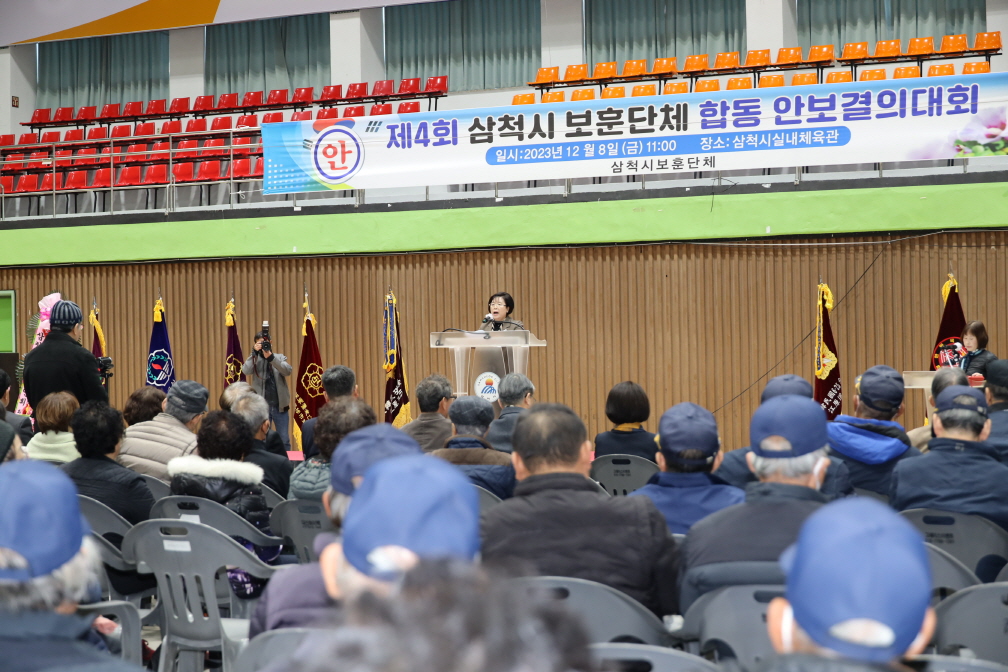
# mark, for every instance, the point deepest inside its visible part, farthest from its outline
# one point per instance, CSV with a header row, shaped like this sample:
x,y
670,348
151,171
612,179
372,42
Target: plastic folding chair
x,y
726,61
695,63
604,70
128,617
731,623
101,518
487,499
158,488
953,44
675,87
606,613
704,579
613,92
906,72
839,77
707,85
948,574
735,83
804,79
622,474
553,97
664,66
408,108
523,99
273,498
269,649
976,68
770,81
973,618
185,557
975,541
207,512
582,94
658,658
299,522
941,70
644,90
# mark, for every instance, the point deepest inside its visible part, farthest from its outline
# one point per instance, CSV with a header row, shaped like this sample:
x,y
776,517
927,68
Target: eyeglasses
x,y
499,304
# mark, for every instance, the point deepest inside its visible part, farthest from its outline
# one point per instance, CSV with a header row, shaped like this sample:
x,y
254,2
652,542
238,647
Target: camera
x,y
105,366
267,347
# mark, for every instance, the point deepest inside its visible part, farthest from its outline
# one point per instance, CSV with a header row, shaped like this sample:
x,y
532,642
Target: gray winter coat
x,y
148,446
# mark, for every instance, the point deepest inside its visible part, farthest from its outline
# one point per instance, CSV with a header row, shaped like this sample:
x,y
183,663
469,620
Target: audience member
x,y
21,423
871,442
149,446
337,381
405,507
684,490
59,363
996,393
273,443
143,404
10,444
735,469
944,377
450,616
977,357
961,472
43,577
467,449
628,408
310,479
789,442
267,372
516,396
432,428
98,430
254,410
54,441
858,592
559,523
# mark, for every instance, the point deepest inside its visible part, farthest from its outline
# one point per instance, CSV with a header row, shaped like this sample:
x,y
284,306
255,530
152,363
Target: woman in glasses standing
x,y
498,318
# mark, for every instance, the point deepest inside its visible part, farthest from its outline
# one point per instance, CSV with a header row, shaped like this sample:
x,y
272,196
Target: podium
x,y
921,380
483,358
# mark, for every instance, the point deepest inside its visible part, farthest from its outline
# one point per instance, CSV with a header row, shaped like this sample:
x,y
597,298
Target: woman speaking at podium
x,y
498,318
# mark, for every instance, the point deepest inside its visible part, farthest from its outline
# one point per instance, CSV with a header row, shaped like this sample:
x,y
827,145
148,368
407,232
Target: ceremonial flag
x,y
308,391
233,358
948,347
160,365
828,390
98,340
41,329
397,409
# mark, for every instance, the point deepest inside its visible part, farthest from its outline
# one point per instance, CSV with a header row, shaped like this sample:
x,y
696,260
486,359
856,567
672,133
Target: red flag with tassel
x,y
828,388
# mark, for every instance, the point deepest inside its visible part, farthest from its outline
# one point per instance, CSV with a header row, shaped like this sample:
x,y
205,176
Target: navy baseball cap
x,y
40,518
800,420
961,397
997,373
789,383
881,388
687,426
362,448
859,580
471,410
421,503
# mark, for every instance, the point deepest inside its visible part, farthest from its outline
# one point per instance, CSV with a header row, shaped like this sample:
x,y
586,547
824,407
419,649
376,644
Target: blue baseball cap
x,y
687,426
40,518
880,387
962,398
800,420
421,503
362,448
789,383
857,562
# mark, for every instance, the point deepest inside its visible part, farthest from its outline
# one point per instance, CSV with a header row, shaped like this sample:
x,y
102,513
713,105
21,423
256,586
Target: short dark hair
x,y
698,457
947,376
97,428
431,390
338,381
508,301
54,411
5,382
337,419
223,435
627,402
261,334
143,405
965,419
976,328
548,434
997,392
866,412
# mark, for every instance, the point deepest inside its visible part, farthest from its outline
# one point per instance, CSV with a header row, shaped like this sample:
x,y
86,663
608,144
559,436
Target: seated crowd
x,y
417,578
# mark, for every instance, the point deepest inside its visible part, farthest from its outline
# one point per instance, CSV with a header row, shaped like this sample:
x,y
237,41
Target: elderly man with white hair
x,y
48,565
277,469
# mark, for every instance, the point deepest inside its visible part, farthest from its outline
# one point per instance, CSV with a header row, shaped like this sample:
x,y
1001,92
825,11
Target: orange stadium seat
x,y
523,99
854,51
906,72
644,90
613,92
804,79
604,70
546,75
888,49
953,44
872,75
789,56
575,73
696,63
941,70
770,81
675,87
664,66
821,54
707,85
553,97
920,46
735,83
726,60
839,77
634,68
757,58
987,41
976,68
582,94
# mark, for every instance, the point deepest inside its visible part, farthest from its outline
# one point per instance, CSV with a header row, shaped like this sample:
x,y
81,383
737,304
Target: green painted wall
x,y
7,321
647,219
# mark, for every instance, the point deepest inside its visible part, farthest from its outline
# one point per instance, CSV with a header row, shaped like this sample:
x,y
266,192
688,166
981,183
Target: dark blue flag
x,y
160,365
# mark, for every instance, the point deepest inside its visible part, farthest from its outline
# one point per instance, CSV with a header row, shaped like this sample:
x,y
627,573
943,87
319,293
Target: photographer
x,y
60,364
267,372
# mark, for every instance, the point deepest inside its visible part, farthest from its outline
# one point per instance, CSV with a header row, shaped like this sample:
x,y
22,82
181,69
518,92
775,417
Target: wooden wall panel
x,y
700,322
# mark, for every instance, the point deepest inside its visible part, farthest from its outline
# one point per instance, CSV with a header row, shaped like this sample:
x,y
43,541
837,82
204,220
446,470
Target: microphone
x,y
488,318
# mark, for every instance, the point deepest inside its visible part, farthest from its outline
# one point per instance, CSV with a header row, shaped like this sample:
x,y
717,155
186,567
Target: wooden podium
x,y
482,358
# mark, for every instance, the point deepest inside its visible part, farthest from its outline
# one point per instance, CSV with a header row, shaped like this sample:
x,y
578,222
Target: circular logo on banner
x,y
487,386
948,352
338,154
312,380
159,368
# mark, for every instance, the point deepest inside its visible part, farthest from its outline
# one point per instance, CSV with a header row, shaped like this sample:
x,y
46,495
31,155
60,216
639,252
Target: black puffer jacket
x,y
112,484
60,364
233,484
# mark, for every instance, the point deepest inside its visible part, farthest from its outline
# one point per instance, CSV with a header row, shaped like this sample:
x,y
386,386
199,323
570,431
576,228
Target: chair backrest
x,y
41,115
356,90
953,44
86,112
122,131
299,521
273,498
330,113
735,83
675,87
353,111
302,115
804,79
30,138
978,543
696,63
523,99
872,75
158,488
179,105
888,49
920,46
607,613
787,55
109,110
941,70
853,51
171,126
220,123
436,84
644,90
50,137
409,85
383,87
553,97
196,125
252,120
144,128
6,139
988,41
252,98
707,85
604,70
906,72
614,92
159,106
409,107
948,574
661,659
732,623
128,617
133,109
975,67
974,618
664,66
636,68
770,81
217,516
839,77
331,92
184,558
757,58
956,664
726,60
64,114
820,53
227,101
101,518
582,94
576,72
487,499
269,649
622,474
303,94
269,118
546,75
704,579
